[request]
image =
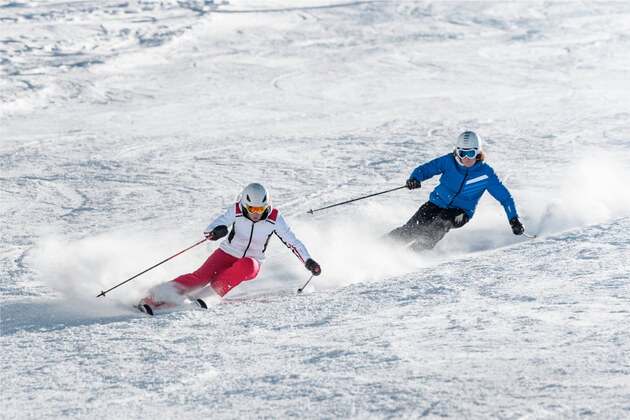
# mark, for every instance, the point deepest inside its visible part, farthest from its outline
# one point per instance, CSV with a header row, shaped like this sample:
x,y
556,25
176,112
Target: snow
x,y
127,127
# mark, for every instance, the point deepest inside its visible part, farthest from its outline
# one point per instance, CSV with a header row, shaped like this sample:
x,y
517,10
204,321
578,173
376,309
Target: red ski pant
x,y
223,271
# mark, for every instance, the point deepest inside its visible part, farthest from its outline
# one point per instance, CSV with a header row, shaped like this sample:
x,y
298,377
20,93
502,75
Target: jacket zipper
x,y
460,189
251,235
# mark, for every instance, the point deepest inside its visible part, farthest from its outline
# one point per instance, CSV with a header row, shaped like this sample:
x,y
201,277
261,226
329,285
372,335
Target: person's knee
x,y
249,263
460,220
249,267
454,219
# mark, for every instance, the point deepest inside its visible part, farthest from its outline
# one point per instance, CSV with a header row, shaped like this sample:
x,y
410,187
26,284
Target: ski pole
x,y
529,236
160,263
308,281
356,199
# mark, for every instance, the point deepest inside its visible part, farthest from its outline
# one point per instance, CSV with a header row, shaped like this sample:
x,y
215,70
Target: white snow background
x,y
127,126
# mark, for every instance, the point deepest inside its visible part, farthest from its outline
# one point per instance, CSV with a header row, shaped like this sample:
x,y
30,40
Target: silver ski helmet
x,y
468,145
255,199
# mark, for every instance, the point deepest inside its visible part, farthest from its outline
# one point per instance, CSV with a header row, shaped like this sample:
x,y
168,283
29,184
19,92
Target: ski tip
x,y
144,308
201,303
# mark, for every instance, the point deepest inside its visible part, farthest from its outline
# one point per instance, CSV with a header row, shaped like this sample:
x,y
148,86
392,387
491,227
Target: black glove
x,y
217,233
413,183
517,226
313,267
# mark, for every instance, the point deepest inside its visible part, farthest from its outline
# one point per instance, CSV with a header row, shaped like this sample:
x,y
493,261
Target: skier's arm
x,y
219,227
430,169
502,195
287,237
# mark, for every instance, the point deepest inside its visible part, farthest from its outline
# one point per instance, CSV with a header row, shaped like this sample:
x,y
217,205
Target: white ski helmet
x,y
255,199
468,140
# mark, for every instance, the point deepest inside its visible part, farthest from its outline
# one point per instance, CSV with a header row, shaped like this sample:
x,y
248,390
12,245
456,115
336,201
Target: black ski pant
x,y
429,225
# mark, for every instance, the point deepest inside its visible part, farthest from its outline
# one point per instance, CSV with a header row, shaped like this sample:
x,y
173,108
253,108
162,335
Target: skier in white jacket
x,y
250,223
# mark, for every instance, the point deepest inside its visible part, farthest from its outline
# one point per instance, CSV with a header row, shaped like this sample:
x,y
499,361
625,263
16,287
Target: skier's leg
x,y
417,224
456,216
216,264
242,270
174,291
446,220
432,235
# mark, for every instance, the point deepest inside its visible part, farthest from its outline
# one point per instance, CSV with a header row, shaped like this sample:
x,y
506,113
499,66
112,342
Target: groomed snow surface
x,y
127,126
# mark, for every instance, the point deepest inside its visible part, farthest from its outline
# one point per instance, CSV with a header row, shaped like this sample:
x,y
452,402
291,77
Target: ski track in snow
x,y
128,126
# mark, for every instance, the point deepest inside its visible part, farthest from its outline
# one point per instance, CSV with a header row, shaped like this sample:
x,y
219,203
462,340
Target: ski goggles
x,y
256,209
470,153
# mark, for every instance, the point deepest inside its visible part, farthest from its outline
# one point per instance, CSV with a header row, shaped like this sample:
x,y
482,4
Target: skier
x,y
465,177
250,223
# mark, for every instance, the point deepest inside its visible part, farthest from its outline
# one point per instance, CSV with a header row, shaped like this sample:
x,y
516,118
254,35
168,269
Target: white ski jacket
x,y
249,239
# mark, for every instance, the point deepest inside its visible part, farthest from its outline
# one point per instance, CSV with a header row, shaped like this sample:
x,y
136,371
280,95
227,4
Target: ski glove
x,y
517,226
217,233
313,267
413,183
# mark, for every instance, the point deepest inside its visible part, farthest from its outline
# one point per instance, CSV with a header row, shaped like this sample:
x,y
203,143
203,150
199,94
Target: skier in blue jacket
x,y
465,177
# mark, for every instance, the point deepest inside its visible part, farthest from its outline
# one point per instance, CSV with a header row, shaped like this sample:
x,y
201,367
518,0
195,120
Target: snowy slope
x,y
128,126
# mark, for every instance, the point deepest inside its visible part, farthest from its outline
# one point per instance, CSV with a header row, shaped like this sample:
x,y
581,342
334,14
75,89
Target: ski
x,y
147,309
143,307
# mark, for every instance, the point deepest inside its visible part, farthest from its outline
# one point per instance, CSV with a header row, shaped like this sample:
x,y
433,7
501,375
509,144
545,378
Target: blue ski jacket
x,y
463,187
